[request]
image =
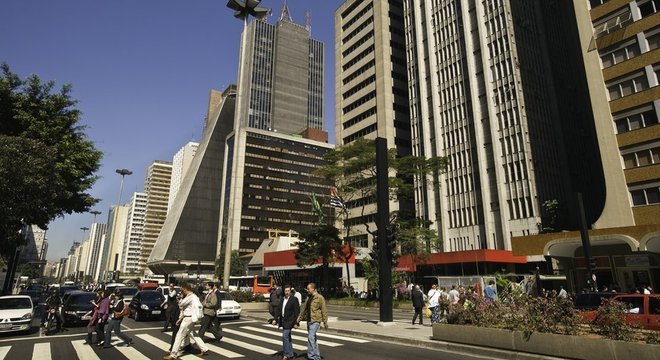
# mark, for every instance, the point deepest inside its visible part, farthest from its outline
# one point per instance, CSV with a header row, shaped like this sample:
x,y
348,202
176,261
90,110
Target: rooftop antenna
x,y
285,12
308,20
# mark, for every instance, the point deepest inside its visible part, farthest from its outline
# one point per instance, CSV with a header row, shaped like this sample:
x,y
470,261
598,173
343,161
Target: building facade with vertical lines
x,y
157,188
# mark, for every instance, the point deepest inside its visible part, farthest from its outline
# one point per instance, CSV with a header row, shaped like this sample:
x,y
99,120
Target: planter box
x,y
254,306
565,346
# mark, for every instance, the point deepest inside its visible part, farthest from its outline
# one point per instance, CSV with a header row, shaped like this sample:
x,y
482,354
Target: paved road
x,y
244,339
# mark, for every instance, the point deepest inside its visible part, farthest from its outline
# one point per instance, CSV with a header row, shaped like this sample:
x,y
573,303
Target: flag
x,y
316,207
336,200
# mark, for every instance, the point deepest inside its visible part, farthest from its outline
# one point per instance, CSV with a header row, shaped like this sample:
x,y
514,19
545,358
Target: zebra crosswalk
x,y
247,342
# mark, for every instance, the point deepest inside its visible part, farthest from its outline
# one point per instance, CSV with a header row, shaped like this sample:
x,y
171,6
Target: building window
x,y
648,7
648,196
618,54
653,39
642,158
627,85
595,3
612,22
638,118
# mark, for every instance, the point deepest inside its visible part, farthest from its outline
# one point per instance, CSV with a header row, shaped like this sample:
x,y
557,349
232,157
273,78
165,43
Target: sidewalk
x,y
403,334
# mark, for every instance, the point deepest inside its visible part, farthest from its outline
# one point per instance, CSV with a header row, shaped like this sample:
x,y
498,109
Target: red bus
x,y
252,283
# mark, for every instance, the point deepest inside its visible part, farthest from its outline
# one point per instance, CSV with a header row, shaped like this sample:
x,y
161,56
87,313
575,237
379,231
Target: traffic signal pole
x,y
382,221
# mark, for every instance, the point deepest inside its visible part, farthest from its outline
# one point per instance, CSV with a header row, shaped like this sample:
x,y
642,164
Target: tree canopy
x,y
47,165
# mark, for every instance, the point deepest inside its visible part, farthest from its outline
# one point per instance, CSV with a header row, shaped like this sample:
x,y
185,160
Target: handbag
x,y
427,312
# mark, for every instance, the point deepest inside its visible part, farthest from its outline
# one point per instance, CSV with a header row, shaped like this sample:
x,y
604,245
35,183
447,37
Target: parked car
x,y
16,312
78,307
591,301
128,293
230,308
146,304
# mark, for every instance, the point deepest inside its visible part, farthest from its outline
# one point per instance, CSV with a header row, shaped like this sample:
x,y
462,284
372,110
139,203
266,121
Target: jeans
x,y
186,333
114,324
312,346
287,344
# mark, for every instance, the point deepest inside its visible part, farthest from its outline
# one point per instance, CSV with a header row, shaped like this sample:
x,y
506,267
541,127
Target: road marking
x,y
3,351
259,349
165,346
41,351
131,353
330,336
84,351
261,338
223,352
294,337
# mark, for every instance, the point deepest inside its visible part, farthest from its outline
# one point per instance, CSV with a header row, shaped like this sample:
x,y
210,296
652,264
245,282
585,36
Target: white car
x,y
16,313
230,308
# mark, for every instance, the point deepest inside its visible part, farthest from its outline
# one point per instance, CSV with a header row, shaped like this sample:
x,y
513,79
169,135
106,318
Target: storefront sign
x,y
637,260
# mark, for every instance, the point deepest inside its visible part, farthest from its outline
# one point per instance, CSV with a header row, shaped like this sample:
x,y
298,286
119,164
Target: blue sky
x,y
142,71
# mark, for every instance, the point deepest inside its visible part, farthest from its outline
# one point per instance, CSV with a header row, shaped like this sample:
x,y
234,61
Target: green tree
x,y
551,210
417,240
237,265
352,169
30,270
47,165
318,242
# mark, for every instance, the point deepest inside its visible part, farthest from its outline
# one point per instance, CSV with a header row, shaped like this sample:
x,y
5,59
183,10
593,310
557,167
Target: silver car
x,y
16,313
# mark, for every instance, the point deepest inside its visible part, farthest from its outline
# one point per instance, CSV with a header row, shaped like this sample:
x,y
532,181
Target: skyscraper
x,y
282,89
180,164
157,188
371,87
130,263
97,242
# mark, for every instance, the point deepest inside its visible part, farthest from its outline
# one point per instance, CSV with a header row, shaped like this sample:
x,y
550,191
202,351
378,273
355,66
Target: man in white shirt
x,y
186,324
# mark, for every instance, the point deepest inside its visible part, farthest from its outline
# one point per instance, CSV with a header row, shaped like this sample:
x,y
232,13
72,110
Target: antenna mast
x,y
285,12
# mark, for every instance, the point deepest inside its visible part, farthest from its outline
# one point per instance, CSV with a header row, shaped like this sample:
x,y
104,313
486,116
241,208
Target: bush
x,y
243,296
611,321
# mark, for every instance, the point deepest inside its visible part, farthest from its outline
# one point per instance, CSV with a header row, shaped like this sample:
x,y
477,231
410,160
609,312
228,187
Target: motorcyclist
x,y
54,301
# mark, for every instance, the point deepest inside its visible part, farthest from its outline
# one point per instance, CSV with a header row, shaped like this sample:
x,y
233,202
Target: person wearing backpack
x,y
210,307
191,313
118,311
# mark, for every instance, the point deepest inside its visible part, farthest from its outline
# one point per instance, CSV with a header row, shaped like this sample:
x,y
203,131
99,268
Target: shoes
x,y
99,344
168,357
203,353
130,342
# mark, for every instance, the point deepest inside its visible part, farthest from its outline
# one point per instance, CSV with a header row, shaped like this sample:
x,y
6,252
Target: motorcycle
x,y
51,320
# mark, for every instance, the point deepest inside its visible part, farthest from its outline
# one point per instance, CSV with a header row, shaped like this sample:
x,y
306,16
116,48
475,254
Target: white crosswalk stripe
x,y
263,339
41,351
84,351
244,342
3,351
294,337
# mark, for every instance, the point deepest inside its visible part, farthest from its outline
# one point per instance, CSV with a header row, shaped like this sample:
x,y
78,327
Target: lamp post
x,y
243,9
95,213
123,173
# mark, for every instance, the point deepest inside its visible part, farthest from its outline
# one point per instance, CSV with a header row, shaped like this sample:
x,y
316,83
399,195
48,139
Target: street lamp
x,y
84,229
95,213
123,173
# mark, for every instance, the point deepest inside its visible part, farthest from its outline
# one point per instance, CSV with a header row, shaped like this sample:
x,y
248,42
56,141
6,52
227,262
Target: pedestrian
x,y
453,295
102,314
210,307
94,317
287,320
170,306
175,327
648,290
418,303
434,303
188,306
118,310
297,295
490,292
562,293
315,312
274,301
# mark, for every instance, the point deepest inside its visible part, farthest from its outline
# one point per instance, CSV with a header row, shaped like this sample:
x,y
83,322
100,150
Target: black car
x,y
37,296
78,307
146,304
591,301
68,288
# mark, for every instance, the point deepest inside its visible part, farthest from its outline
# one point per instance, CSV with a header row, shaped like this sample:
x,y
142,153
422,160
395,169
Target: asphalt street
x,y
246,339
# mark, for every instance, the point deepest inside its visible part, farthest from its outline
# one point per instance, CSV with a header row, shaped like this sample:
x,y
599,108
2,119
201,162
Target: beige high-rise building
x,y
157,188
114,242
371,89
133,235
180,164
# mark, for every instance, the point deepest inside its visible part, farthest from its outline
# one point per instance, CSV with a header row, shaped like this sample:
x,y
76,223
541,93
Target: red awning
x,y
457,257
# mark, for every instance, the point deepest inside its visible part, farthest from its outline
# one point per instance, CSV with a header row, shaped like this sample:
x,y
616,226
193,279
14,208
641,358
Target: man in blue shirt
x,y
491,291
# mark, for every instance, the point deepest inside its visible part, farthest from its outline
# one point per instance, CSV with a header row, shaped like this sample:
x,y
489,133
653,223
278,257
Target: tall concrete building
x,y
130,259
114,242
371,88
157,188
36,247
97,242
180,164
281,86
